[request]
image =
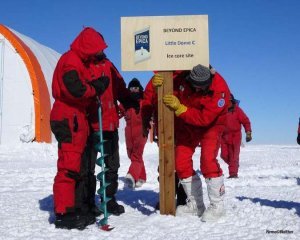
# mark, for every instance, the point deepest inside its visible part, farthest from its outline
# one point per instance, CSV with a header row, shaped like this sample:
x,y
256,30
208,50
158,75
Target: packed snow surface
x,y
263,203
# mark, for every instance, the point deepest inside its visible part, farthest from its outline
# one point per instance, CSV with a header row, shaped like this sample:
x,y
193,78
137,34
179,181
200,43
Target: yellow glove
x,y
157,80
173,102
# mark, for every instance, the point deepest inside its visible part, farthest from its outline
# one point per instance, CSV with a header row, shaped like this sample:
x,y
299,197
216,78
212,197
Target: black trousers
x,y
85,187
112,162
86,182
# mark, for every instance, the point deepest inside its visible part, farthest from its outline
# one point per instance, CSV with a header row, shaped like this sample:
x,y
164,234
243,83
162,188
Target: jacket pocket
x,y
61,131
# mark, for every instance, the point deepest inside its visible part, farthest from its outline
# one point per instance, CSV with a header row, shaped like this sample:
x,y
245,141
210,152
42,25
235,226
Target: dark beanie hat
x,y
200,76
232,97
233,100
135,83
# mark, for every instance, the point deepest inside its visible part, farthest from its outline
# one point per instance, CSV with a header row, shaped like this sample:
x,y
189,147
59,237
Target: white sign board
x,y
164,42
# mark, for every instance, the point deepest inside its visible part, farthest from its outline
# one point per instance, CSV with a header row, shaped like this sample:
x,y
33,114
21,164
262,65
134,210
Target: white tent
x,y
26,69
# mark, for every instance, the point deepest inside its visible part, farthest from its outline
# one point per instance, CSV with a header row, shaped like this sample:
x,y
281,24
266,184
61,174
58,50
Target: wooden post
x,y
166,149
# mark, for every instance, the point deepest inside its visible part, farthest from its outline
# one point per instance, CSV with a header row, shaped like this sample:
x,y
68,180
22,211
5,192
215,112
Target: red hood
x,y
88,43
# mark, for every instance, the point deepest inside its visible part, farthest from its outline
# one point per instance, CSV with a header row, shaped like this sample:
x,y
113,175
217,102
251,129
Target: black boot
x,y
95,211
157,206
233,176
180,193
114,208
72,220
90,218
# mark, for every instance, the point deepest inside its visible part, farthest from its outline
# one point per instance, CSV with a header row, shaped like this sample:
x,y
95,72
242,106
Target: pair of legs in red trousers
x,y
230,153
209,139
75,182
135,150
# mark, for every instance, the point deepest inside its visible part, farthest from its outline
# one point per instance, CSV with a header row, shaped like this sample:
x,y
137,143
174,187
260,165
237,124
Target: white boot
x,y
129,181
216,191
193,189
139,183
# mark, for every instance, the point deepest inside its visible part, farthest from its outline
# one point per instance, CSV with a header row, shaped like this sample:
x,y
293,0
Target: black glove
x,y
248,136
100,84
131,103
298,139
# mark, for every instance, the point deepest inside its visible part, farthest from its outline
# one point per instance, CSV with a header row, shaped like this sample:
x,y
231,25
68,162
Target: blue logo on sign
x,y
221,102
142,45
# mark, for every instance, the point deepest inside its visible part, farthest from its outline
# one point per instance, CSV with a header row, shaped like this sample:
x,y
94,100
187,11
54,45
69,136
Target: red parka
x,y
235,119
149,102
68,118
232,137
204,109
135,143
298,137
203,122
115,92
70,87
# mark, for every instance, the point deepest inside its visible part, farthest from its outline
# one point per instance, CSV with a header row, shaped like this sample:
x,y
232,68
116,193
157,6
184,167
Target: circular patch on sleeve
x,y
221,102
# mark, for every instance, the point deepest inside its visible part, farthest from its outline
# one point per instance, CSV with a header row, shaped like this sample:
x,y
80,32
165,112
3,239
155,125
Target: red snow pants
x,y
209,140
230,152
135,149
70,128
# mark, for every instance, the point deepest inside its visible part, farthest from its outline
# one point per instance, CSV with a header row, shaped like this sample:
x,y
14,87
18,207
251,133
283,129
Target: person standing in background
x,y
298,137
135,139
232,136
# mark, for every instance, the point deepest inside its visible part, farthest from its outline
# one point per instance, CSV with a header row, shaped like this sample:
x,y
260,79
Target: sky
x,y
253,44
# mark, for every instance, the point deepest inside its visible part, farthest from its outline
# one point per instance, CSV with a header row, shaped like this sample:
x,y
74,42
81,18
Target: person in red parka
x,y
200,102
68,120
298,137
232,136
116,92
135,139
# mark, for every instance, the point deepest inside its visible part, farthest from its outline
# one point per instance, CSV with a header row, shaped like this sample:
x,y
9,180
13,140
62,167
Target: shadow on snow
x,y
297,178
46,204
275,204
141,200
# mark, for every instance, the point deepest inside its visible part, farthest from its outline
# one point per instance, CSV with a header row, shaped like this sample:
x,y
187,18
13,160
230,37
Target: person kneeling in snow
x,y
200,102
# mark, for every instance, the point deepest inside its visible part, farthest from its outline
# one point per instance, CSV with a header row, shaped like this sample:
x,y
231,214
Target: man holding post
x,y
200,102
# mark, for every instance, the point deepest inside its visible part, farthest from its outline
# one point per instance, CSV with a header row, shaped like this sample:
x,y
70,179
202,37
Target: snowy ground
x,y
265,198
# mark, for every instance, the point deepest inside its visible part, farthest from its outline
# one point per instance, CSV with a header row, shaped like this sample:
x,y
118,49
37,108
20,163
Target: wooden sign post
x,y
167,203
165,44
